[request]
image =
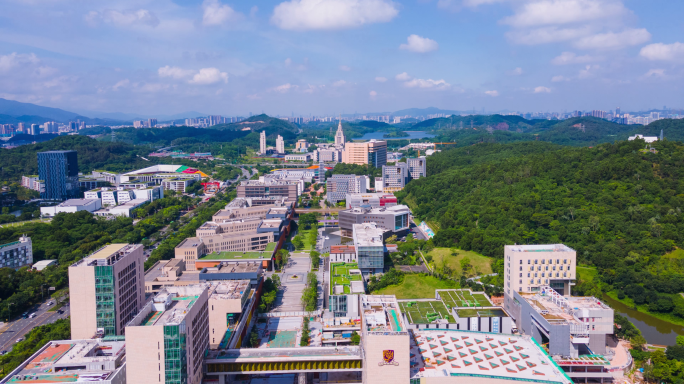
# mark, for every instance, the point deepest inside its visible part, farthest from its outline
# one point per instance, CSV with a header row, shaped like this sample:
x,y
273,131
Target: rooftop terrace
x,y
381,313
540,248
439,353
346,279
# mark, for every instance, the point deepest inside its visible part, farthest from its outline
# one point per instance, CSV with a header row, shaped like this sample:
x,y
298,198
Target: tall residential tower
x,y
59,171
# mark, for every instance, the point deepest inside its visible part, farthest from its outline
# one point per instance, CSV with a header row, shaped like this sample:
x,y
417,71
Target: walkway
x,y
293,280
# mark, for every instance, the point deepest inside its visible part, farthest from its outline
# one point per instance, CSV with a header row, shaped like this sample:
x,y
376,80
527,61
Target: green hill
x,y
673,129
619,206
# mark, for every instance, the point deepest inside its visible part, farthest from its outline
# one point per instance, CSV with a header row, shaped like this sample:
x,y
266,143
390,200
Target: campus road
x,y
10,332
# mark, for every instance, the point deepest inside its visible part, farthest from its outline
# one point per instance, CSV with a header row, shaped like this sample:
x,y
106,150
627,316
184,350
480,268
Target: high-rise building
x,y
50,127
280,145
527,268
262,143
16,254
339,135
35,129
372,152
59,171
395,177
21,127
417,167
617,112
107,289
151,123
338,186
73,126
138,124
171,334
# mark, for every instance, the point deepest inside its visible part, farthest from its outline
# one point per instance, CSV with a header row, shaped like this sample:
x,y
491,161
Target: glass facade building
x,y
59,172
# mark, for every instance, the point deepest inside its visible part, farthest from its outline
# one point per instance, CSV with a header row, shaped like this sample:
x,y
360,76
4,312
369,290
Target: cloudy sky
x,y
341,56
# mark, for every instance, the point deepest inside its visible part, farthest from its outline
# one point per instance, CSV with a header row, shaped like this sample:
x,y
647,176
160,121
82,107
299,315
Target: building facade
x,y
395,177
372,152
59,171
395,219
16,254
417,167
107,289
268,188
370,249
280,145
338,186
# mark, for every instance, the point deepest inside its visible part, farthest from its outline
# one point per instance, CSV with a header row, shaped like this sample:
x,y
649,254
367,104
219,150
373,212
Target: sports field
x,y
463,298
418,311
341,276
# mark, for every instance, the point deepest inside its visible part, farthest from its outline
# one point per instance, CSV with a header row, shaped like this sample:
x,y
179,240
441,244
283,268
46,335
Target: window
x,y
547,267
521,261
535,261
521,275
557,261
543,261
528,274
528,262
520,282
543,274
521,268
565,261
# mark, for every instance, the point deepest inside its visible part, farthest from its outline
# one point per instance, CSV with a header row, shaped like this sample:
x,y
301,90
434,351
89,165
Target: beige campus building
x,y
166,341
529,267
194,248
226,300
371,152
106,290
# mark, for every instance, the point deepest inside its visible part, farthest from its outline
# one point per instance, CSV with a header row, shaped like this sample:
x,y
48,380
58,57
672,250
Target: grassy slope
x,y
417,287
479,262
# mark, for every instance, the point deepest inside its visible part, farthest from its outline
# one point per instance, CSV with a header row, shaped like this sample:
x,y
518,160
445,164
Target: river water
x,y
411,135
654,330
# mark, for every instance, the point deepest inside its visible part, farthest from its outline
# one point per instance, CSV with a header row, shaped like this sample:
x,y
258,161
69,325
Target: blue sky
x,y
333,56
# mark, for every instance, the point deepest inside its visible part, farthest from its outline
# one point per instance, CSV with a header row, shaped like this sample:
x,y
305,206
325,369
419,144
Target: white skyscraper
x,y
262,143
339,135
280,144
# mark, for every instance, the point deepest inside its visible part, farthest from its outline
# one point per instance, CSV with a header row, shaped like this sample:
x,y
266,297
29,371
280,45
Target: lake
x,y
414,135
655,331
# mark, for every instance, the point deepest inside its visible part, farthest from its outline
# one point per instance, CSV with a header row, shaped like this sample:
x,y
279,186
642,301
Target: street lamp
x,y
10,312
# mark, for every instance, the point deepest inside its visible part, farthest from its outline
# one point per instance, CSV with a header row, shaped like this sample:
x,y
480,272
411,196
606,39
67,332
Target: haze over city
x,y
328,57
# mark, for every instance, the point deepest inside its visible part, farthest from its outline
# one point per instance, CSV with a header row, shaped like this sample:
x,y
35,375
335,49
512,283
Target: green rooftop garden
x,y
480,313
341,276
270,247
265,254
425,312
463,298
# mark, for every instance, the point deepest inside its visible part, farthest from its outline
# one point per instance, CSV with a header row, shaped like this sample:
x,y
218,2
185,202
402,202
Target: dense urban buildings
x,y
268,188
106,290
59,172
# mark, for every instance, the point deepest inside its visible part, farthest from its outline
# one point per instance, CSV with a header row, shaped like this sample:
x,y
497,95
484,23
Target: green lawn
x,y
586,273
417,287
340,276
463,298
417,311
20,223
479,262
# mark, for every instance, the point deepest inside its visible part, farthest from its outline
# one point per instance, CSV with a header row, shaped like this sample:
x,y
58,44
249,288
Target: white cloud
x,y
345,68
547,35
13,60
288,62
123,18
175,72
475,3
664,52
209,76
403,76
556,12
380,79
419,44
427,83
588,71
516,72
571,58
372,94
303,15
655,73
121,84
216,13
613,40
559,78
339,83
283,88
492,93
542,90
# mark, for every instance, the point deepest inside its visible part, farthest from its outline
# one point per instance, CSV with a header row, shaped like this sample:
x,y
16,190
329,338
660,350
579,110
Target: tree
x,y
466,267
638,342
298,242
391,240
315,258
305,333
254,339
355,338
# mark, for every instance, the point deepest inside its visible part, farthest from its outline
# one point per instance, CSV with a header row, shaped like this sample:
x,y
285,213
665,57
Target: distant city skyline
x,y
325,57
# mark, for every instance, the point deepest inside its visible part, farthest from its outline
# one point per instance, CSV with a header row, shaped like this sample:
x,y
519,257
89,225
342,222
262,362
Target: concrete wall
x,y
130,298
82,302
218,308
145,355
375,345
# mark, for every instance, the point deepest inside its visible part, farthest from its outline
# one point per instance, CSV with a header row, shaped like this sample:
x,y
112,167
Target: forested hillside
x,y
618,205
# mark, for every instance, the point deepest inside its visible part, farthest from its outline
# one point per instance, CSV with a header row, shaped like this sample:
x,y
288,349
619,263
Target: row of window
x,y
565,274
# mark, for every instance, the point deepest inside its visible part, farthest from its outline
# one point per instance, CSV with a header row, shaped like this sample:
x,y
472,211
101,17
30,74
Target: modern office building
x,y
395,177
193,248
372,152
107,289
372,200
395,219
338,186
167,340
328,155
303,157
417,167
16,254
370,249
59,172
262,143
227,299
268,188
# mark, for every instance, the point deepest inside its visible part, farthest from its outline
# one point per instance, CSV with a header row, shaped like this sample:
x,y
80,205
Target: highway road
x,y
13,330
